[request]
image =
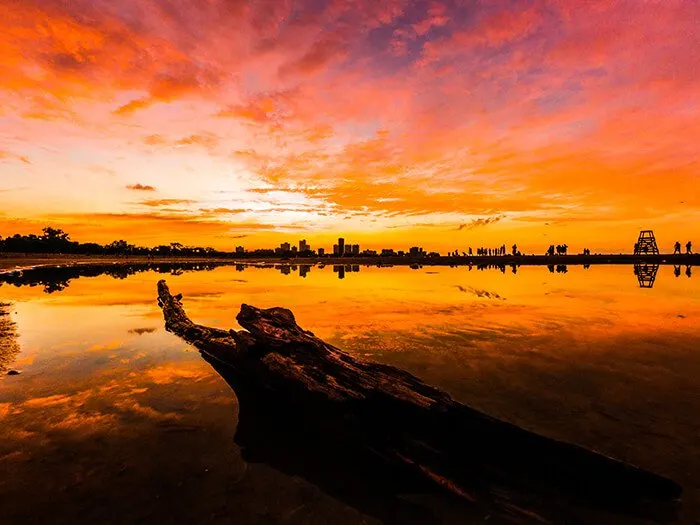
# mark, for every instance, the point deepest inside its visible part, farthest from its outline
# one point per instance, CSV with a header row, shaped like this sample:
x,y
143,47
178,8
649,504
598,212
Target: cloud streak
x,y
480,223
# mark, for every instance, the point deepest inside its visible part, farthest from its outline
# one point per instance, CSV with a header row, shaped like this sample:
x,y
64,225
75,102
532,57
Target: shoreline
x,y
21,262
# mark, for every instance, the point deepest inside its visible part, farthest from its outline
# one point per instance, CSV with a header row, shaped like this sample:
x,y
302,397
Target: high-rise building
x,y
285,247
240,249
304,246
416,251
341,246
336,250
348,249
321,252
355,249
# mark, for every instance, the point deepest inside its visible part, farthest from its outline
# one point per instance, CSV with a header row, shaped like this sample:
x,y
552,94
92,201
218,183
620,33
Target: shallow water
x,y
114,420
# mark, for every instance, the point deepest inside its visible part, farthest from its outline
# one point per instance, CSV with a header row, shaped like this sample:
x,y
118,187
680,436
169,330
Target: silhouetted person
x,y
515,249
470,251
689,248
677,248
677,271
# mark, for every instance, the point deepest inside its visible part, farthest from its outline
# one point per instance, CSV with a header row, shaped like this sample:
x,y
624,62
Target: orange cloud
x,y
140,187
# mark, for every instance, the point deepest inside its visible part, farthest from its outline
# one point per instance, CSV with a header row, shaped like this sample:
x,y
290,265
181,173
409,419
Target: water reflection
x,y
56,279
646,274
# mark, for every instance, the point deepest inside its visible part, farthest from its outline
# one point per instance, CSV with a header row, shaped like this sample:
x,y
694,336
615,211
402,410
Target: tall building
x,y
321,252
304,246
240,249
355,249
348,249
336,250
285,247
341,246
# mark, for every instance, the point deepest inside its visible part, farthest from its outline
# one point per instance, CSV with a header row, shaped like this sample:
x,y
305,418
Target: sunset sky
x,y
443,123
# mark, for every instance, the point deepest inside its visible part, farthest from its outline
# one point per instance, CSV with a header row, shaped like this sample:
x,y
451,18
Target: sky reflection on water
x,y
109,402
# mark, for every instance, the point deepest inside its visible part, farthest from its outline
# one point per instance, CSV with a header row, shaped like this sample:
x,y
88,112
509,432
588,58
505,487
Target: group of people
x,y
501,250
489,252
561,249
688,248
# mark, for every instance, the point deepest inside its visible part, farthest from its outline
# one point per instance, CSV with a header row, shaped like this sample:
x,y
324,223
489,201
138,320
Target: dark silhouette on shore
x,y
559,249
56,242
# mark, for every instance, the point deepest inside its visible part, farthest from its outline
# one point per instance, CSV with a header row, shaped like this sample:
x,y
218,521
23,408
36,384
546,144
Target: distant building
x,y
321,252
285,247
370,253
304,246
416,251
336,250
348,249
240,249
341,246
401,253
355,249
294,249
386,252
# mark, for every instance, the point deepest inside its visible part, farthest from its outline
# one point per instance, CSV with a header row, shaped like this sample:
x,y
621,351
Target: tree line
x,y
54,240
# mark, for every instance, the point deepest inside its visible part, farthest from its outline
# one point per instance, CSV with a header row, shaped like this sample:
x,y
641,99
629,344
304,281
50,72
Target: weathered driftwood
x,y
393,417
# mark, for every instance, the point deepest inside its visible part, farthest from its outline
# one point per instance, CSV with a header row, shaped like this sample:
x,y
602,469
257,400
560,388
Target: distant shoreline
x,y
14,262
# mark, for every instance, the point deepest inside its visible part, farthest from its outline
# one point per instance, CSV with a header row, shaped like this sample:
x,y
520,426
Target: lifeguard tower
x,y
646,244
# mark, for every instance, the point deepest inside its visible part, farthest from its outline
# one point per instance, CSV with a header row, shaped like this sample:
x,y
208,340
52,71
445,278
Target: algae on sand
x,y
9,348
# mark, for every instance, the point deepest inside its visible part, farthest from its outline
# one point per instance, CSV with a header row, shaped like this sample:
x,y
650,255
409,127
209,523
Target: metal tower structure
x,y
646,244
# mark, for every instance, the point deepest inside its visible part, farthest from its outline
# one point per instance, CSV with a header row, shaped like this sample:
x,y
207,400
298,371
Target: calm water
x,y
114,420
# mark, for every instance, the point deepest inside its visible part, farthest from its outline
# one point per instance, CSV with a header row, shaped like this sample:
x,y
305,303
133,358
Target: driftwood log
x,y
382,426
